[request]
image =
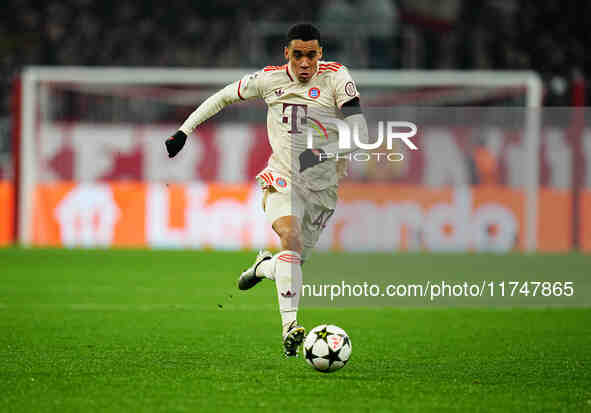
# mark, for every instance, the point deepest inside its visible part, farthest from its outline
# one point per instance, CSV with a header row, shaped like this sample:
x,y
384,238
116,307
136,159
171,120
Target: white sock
x,y
288,280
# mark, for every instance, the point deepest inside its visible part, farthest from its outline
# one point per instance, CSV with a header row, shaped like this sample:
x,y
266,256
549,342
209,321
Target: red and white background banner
x,y
236,152
370,217
105,185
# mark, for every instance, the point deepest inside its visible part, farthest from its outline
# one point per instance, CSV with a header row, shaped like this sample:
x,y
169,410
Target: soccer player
x,y
300,181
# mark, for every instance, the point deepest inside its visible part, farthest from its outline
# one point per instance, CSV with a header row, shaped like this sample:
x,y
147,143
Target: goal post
x,y
37,81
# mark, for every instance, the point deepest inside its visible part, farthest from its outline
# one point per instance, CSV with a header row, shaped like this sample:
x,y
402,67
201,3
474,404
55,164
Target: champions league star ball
x,y
327,348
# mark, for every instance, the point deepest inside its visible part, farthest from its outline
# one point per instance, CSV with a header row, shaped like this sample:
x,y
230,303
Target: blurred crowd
x,y
544,35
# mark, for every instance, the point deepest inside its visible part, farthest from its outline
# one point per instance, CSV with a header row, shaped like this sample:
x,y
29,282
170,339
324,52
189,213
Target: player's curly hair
x,y
303,31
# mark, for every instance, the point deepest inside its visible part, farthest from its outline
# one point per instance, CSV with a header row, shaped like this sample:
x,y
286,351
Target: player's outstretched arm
x,y
206,110
246,88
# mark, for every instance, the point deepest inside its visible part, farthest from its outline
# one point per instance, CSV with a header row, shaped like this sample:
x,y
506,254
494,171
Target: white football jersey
x,y
294,106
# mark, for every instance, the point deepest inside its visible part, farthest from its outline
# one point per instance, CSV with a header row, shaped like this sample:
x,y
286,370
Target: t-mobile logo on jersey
x,y
298,116
350,141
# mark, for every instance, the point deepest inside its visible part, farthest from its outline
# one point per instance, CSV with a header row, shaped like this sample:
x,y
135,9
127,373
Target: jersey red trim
x,y
268,178
274,68
271,68
330,66
287,71
239,95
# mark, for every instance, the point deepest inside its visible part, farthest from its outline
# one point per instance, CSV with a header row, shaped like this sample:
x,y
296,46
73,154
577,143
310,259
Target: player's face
x,y
303,58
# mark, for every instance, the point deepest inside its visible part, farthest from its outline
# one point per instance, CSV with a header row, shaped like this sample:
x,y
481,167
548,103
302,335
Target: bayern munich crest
x,y
281,182
314,92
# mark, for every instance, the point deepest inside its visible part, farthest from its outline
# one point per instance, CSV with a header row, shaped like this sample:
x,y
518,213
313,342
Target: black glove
x,y
175,143
311,157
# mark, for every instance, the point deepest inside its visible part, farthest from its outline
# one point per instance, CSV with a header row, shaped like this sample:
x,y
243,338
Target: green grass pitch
x,y
167,331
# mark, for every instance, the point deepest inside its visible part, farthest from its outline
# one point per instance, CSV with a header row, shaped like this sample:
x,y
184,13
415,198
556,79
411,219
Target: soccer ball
x,y
327,348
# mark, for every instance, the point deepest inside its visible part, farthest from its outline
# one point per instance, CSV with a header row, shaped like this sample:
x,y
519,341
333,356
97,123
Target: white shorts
x,y
313,208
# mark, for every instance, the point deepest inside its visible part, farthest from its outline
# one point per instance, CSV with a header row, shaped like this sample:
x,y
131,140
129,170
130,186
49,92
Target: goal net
x,y
92,169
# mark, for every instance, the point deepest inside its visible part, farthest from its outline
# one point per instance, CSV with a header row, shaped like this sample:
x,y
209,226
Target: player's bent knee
x,y
287,229
291,239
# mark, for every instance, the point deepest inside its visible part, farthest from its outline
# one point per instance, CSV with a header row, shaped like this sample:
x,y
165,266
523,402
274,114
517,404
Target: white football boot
x,y
248,278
